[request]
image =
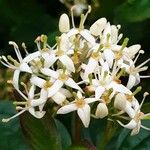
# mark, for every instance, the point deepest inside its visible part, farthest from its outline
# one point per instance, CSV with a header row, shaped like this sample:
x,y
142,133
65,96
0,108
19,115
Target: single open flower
x,y
30,104
135,123
81,105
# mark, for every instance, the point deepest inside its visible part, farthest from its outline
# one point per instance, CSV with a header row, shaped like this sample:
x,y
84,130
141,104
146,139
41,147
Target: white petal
x,y
31,92
101,111
49,59
135,104
31,57
109,56
90,100
41,106
37,81
99,91
79,95
25,68
84,114
64,43
90,67
132,50
131,125
71,83
98,26
131,81
67,109
136,129
72,32
119,88
16,79
50,72
55,88
114,34
58,98
41,100
65,92
129,110
66,61
105,68
37,114
86,34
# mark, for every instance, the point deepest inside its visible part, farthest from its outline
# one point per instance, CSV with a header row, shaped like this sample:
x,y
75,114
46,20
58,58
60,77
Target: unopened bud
x,y
101,111
64,24
120,101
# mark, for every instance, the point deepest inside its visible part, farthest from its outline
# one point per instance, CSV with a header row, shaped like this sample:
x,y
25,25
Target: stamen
x,y
83,18
122,71
16,115
17,51
144,96
72,18
25,48
140,52
138,89
13,60
25,87
20,103
142,64
145,76
44,40
125,42
105,74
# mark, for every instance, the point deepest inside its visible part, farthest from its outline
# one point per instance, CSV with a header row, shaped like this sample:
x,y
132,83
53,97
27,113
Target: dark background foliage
x,y
23,21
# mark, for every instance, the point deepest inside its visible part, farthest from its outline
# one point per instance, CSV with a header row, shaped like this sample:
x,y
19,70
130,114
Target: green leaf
x,y
77,148
64,134
138,142
11,136
133,11
146,107
42,133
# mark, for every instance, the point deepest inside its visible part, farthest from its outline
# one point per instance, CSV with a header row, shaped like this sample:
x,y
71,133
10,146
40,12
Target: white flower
x,y
105,81
135,123
54,87
122,103
134,77
30,104
18,66
63,52
62,77
81,105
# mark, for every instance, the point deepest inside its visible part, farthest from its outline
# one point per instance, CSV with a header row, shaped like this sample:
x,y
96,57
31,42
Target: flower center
x,y
63,77
60,53
47,84
80,102
95,55
138,116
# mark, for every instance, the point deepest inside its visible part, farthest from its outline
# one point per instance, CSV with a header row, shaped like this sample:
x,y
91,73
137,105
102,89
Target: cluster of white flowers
x,y
84,72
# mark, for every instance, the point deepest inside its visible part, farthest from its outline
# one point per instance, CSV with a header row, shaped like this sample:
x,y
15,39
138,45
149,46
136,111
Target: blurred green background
x,y
23,21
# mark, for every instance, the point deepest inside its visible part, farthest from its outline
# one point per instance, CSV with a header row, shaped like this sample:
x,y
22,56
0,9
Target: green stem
x,y
76,129
108,134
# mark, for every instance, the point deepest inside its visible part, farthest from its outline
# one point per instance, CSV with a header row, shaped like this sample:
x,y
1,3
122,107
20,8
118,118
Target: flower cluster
x,y
84,72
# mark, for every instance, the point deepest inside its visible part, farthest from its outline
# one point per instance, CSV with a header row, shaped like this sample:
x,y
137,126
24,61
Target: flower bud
x,y
98,26
64,24
120,101
101,111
